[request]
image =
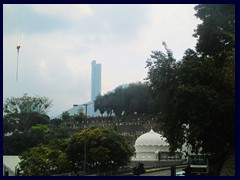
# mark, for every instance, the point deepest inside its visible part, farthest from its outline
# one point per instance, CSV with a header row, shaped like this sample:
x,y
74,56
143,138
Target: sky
x,y
58,43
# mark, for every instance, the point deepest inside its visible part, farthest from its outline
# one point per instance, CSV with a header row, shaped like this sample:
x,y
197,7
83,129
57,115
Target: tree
x,y
216,34
105,149
38,134
66,116
135,98
22,122
196,96
25,134
162,80
27,104
216,41
44,160
66,126
15,143
20,115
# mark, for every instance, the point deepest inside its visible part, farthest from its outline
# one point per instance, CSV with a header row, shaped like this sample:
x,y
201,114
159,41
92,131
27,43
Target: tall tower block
x,y
96,80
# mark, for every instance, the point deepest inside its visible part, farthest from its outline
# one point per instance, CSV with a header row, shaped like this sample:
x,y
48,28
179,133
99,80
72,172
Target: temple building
x,y
153,147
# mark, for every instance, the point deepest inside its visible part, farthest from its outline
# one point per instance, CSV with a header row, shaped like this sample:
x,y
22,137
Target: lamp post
x,y
85,141
85,138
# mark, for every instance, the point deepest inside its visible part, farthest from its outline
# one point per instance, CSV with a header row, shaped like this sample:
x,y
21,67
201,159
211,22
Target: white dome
x,y
151,138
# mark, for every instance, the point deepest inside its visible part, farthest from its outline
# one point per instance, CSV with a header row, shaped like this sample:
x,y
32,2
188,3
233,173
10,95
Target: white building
x,y
148,146
96,70
10,165
95,80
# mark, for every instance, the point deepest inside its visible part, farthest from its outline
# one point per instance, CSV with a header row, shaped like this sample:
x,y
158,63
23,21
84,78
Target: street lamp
x,y
85,137
85,141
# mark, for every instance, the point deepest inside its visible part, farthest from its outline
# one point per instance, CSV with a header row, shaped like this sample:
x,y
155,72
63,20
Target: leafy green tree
x,y
196,96
64,130
18,141
66,126
20,115
162,79
98,104
135,98
59,129
15,143
27,104
105,149
38,134
27,120
9,124
54,123
44,160
66,116
216,33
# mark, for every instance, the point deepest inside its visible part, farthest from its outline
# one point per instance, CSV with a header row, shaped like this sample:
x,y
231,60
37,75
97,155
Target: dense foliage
x,y
44,160
105,149
133,99
216,33
196,96
26,104
24,123
49,147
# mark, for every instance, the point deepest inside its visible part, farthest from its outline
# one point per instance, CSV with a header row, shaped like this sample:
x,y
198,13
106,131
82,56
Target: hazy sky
x,y
58,43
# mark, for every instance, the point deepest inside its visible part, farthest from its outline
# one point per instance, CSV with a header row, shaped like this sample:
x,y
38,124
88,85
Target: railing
x,y
126,171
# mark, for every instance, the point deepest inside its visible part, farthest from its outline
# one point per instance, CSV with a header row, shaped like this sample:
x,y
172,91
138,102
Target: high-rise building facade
x,y
96,80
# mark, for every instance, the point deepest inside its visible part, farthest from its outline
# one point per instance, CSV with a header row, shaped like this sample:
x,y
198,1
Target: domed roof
x,y
151,138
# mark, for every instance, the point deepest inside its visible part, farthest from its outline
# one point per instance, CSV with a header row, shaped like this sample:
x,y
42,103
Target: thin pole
x,y
19,28
18,47
85,143
17,67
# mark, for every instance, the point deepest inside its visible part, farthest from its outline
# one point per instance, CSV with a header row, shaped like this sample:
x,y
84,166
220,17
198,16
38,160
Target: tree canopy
x,y
105,149
135,98
45,160
216,33
195,97
27,104
24,123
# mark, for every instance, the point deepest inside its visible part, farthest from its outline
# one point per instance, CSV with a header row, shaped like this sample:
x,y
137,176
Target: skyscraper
x,y
96,80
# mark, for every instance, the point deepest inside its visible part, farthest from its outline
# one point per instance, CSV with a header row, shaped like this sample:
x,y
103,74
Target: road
x,y
161,173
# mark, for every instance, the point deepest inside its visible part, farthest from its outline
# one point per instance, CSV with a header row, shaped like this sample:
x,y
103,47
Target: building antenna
x,y
18,37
